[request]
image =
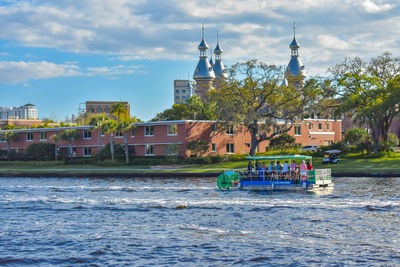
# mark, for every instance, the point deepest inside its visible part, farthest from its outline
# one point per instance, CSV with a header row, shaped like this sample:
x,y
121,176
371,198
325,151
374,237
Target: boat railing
x,y
266,176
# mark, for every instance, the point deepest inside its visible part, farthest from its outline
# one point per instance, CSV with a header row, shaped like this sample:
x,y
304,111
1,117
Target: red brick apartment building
x,y
153,138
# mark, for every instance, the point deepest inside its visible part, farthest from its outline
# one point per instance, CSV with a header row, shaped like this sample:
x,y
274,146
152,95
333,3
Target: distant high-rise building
x,y
183,89
25,112
99,107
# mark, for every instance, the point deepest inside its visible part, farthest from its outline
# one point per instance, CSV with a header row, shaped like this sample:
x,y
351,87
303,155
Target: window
x,y
230,130
43,136
29,136
119,134
178,102
184,97
310,126
87,152
214,147
177,97
98,110
101,133
276,130
297,130
133,132
319,126
148,130
87,134
183,91
230,148
172,129
327,126
149,150
213,127
177,91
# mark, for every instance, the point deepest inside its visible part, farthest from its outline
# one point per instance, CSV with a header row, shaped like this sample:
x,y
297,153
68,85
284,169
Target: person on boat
x,y
262,171
303,170
257,164
271,170
278,169
309,166
285,168
293,169
250,168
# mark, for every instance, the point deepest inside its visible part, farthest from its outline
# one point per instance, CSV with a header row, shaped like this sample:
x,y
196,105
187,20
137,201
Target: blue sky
x,y
59,53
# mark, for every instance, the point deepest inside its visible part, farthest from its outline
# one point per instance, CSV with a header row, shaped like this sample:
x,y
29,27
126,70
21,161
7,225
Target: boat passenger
x,y
303,170
262,171
309,166
303,166
257,164
271,170
278,168
250,168
293,169
285,168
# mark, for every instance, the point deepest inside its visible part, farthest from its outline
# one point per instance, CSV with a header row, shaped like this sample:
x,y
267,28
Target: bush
x,y
41,151
119,152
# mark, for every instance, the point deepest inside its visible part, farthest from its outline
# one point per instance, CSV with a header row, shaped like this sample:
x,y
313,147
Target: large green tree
x,y
253,96
369,90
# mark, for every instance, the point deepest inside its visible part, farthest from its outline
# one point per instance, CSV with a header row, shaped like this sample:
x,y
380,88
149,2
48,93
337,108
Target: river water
x,y
188,222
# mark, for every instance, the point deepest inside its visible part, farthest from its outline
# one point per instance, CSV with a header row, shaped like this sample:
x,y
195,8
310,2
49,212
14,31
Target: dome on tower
x,y
294,44
218,49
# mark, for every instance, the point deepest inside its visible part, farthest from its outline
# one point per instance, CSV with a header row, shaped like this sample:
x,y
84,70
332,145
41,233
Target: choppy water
x,y
189,222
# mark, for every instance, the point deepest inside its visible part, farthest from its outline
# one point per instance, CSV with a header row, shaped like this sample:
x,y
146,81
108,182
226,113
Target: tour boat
x,y
276,180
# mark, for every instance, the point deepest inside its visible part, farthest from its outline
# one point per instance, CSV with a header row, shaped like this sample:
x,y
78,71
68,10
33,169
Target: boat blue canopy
x,y
279,157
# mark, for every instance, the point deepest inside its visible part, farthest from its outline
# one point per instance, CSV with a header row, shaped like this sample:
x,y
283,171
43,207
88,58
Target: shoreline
x,y
163,174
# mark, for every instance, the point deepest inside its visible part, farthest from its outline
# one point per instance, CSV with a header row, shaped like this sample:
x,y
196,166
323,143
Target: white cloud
x,y
128,30
332,42
372,7
20,72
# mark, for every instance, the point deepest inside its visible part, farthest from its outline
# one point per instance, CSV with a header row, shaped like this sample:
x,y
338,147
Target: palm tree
x,y
98,122
56,138
119,111
124,126
9,137
69,135
108,127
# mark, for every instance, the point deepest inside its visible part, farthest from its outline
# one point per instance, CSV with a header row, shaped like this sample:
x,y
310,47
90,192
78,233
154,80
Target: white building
x,y
183,89
26,112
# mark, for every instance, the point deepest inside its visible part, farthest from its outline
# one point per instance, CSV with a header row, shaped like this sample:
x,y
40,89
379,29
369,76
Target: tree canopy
x,y
194,108
369,91
253,96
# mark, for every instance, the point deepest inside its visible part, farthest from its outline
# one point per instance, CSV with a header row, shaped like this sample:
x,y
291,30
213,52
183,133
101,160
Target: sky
x,y
57,54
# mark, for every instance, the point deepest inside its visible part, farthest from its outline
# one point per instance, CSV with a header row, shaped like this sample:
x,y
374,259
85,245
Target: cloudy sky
x,y
57,54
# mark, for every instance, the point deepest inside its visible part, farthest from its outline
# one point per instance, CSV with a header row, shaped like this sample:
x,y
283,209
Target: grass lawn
x,y
345,165
385,164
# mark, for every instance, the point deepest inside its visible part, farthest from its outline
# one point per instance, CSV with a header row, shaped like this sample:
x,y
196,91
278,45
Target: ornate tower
x,y
295,73
219,69
204,73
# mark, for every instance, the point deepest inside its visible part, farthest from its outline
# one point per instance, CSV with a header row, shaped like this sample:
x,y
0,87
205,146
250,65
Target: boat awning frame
x,y
279,157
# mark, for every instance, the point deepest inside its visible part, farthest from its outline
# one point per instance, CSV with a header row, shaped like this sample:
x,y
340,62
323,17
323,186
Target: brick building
x,y
153,138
